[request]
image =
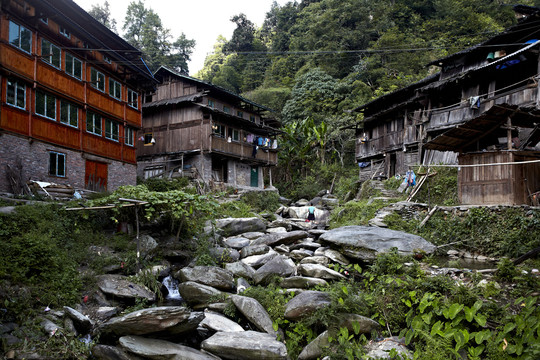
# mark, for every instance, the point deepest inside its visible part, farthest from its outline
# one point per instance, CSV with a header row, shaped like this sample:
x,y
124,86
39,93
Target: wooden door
x,y
95,177
255,176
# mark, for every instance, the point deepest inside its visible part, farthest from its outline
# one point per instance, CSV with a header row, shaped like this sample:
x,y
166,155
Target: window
x,y
73,66
50,53
234,134
69,114
133,99
45,105
20,37
128,135
252,118
16,93
240,113
65,32
111,129
219,130
211,103
115,89
149,139
57,164
97,79
226,109
93,123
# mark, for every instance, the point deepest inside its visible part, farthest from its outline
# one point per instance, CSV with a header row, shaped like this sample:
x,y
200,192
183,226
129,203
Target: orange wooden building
x,y
69,97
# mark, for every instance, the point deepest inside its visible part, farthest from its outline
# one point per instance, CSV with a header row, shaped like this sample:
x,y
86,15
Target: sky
x,y
201,20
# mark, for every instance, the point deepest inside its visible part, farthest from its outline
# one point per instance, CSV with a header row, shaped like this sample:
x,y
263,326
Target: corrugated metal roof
x,y
466,134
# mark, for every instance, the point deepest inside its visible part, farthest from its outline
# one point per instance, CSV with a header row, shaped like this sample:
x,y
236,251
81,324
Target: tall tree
x,y
102,13
144,30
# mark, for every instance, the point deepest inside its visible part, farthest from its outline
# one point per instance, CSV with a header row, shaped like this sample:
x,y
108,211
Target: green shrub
x,y
261,201
163,185
354,213
439,189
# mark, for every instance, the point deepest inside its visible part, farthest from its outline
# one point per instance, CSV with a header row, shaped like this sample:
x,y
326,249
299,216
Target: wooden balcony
x,y
450,117
244,151
380,145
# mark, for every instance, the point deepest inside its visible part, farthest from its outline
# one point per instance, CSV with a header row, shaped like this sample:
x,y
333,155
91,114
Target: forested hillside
x,y
313,60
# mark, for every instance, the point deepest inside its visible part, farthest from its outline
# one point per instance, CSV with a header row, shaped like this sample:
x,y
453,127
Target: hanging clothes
x,y
274,144
260,141
250,138
254,152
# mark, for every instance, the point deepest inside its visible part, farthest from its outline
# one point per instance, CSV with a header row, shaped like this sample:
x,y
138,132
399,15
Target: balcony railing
x,y
244,150
460,113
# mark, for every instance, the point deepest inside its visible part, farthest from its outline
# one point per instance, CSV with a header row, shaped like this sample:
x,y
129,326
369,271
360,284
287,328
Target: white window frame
x,y
97,78
47,53
18,86
71,71
129,136
133,99
55,172
93,123
64,32
115,86
18,41
47,98
71,110
112,130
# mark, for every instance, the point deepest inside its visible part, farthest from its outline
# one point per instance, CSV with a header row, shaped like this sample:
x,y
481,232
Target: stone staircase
x,y
387,196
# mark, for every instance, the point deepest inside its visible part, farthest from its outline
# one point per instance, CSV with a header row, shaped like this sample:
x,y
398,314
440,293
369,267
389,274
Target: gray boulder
x,y
254,250
300,254
315,348
147,243
300,282
198,294
317,259
120,287
365,242
257,261
161,349
237,226
381,349
218,322
240,269
247,345
279,266
280,238
151,320
107,352
336,257
305,304
82,323
252,235
207,275
254,312
224,255
236,242
319,271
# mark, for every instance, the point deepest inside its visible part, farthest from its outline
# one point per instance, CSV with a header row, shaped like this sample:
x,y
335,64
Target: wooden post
x,y
138,240
270,176
509,132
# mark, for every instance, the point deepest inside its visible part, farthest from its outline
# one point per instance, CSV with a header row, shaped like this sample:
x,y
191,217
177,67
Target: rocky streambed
x,y
251,251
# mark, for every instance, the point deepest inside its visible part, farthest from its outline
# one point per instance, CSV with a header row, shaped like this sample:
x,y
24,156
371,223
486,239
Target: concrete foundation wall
x,y
33,156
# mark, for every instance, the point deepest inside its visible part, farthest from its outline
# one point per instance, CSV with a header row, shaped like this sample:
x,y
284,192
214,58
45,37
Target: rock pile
x,y
256,251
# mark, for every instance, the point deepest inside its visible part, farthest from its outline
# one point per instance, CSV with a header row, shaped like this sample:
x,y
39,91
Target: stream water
x,y
173,296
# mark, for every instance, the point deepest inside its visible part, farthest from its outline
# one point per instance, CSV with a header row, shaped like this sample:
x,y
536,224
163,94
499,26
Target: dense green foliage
x,y
314,60
439,317
41,250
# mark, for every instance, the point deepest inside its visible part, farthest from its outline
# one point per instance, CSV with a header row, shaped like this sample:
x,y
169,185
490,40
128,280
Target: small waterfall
x,y
172,287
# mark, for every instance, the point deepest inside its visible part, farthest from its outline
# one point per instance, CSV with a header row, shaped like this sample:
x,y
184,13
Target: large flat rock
x,y
246,345
161,349
119,286
365,242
